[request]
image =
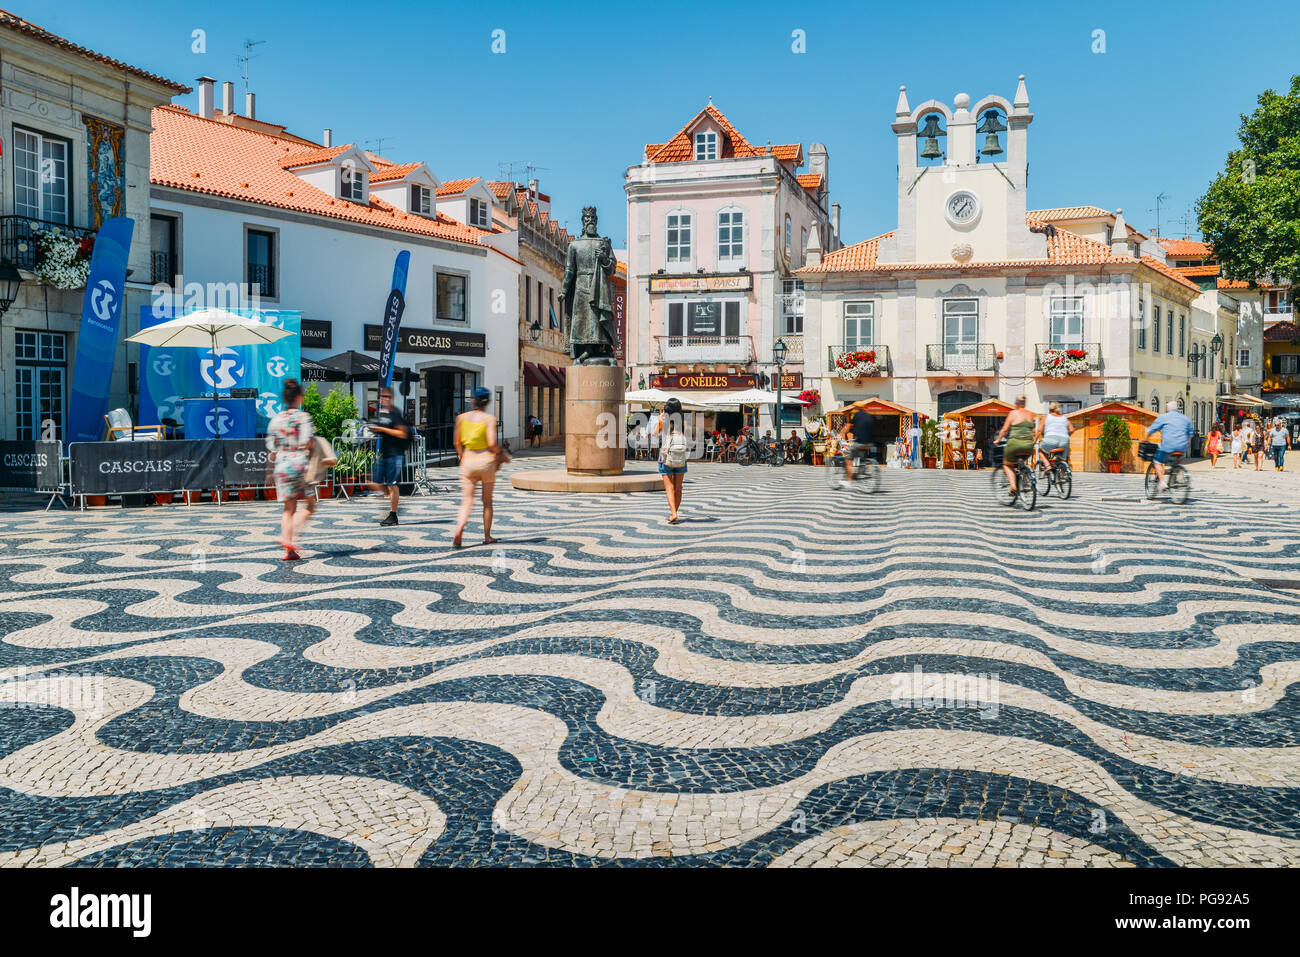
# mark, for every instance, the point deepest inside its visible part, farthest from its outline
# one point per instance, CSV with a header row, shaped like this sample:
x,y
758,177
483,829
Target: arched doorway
x,y
957,399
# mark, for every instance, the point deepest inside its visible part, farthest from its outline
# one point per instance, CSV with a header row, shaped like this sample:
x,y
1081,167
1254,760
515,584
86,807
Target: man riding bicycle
x,y
1175,437
861,427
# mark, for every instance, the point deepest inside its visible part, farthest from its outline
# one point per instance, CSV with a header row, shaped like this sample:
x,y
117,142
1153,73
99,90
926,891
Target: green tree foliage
x,y
328,413
1250,214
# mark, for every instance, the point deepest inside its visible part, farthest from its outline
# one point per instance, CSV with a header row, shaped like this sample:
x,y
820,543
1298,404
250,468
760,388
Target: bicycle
x,y
1055,471
1178,479
866,470
1026,493
751,451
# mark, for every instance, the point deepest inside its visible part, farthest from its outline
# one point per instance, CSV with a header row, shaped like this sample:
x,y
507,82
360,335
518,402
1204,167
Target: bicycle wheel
x,y
1180,484
834,472
1026,489
1001,487
866,474
744,455
1152,483
1064,480
778,456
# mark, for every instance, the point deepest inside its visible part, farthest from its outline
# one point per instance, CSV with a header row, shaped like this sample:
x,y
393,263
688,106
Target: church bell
x,y
991,127
931,133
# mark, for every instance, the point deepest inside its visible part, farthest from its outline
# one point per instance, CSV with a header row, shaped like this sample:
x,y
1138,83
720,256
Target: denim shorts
x,y
670,470
388,470
1163,457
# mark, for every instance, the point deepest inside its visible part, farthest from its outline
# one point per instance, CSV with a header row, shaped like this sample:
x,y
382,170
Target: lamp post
x,y
535,330
778,353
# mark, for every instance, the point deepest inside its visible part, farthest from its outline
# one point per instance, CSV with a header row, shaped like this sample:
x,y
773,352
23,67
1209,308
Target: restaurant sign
x,y
729,283
791,381
441,342
703,380
317,334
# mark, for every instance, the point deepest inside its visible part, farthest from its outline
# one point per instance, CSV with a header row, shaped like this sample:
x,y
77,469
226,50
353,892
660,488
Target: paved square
x,y
792,676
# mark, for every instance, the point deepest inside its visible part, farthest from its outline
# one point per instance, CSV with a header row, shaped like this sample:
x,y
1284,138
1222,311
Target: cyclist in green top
x,y
1018,430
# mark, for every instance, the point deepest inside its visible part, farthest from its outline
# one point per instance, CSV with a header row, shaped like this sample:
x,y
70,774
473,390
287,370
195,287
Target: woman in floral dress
x,y
289,440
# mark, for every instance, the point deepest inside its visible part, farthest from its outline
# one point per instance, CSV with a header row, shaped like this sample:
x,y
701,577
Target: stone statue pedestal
x,y
595,430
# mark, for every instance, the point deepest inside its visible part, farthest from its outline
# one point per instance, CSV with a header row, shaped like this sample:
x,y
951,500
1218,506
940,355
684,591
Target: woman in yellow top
x,y
475,437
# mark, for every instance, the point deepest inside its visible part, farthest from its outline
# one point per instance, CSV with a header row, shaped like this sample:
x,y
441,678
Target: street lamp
x,y
778,353
535,330
10,280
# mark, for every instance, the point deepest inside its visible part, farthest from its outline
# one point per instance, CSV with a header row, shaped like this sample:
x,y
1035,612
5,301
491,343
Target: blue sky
x,y
579,98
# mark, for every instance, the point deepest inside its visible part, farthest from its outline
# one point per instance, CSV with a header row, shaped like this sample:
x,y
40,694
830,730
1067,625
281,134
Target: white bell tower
x,y
961,186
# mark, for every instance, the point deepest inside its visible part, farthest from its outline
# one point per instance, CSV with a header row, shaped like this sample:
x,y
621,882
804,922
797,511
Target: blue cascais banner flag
x,y
101,316
393,318
168,375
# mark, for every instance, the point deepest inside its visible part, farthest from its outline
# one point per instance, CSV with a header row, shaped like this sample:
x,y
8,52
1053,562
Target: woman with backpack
x,y
673,450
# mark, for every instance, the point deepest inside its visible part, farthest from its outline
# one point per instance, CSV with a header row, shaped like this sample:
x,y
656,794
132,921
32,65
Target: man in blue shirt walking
x,y
1175,436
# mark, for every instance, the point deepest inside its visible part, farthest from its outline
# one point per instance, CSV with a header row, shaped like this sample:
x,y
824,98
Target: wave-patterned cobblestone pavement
x,y
792,676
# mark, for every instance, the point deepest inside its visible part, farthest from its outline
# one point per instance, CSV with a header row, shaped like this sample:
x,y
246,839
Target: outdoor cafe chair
x,y
119,427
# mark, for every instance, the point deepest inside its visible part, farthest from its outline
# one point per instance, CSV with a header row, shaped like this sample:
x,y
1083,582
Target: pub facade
x,y
716,227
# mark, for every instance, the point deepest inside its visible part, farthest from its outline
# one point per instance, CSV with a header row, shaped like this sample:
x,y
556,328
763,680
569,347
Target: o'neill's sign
x,y
703,380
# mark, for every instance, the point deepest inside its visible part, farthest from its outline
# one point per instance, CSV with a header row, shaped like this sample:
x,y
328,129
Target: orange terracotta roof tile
x,y
500,189
454,187
1167,270
308,157
190,153
1282,332
1185,248
1067,212
1232,283
810,181
19,25
1194,271
1064,248
681,148
387,173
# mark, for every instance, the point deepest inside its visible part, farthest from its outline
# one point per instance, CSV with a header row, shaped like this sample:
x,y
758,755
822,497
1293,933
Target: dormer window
x,y
422,201
706,146
478,213
352,184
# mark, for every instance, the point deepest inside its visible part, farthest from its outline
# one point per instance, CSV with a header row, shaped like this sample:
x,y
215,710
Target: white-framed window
x,y
1141,323
792,306
1243,358
41,176
1286,364
705,318
1065,320
679,226
731,235
478,212
859,324
1155,328
352,183
961,325
1169,328
422,201
1155,402
1182,335
1276,301
706,145
788,235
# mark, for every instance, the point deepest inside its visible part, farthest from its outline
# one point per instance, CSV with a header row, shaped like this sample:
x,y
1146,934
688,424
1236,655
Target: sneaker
x,y
845,483
390,520
1164,486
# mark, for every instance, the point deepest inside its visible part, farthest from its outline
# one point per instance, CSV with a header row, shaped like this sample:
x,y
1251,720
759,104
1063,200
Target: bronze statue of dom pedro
x,y
585,300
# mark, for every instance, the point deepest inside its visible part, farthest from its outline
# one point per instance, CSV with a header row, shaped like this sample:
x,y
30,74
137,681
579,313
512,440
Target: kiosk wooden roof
x,y
835,418
1114,407
983,407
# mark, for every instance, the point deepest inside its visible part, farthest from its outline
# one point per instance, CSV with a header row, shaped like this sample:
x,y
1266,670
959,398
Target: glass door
x,y
960,332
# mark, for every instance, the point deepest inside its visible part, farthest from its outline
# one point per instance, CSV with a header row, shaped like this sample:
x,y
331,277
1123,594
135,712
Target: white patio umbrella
x,y
755,397
209,328
659,397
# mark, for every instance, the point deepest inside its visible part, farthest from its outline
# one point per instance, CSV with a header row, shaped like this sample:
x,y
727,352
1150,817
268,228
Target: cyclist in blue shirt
x,y
1176,432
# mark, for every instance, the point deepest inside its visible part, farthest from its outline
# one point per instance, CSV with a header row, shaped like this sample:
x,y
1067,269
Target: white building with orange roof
x,y
717,227
75,130
975,296
316,227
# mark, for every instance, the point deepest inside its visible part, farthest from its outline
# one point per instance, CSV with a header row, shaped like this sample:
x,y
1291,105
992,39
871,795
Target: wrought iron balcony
x,y
669,349
793,347
1087,364
966,357
161,267
19,236
883,365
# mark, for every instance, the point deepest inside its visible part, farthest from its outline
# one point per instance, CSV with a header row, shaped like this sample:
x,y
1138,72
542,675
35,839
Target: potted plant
x,y
193,496
854,365
931,446
247,493
163,498
1059,363
268,494
1114,442
93,501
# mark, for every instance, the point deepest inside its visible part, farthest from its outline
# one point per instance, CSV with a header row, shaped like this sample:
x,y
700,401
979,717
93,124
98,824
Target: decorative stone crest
x,y
962,252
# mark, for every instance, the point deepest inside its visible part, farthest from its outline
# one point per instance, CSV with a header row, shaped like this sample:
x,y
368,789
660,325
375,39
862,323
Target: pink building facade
x,y
716,228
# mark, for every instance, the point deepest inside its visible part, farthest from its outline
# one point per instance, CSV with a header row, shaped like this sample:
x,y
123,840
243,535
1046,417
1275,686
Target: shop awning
x,y
543,376
1244,400
1287,400
557,375
983,407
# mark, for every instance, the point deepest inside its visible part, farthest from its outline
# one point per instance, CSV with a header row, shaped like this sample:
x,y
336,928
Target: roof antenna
x,y
243,60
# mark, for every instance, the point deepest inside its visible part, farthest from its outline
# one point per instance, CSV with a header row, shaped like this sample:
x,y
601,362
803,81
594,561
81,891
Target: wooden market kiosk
x,y
892,421
969,429
1087,432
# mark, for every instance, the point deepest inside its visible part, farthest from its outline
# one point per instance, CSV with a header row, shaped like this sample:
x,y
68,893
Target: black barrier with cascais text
x,y
116,468
248,462
30,465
